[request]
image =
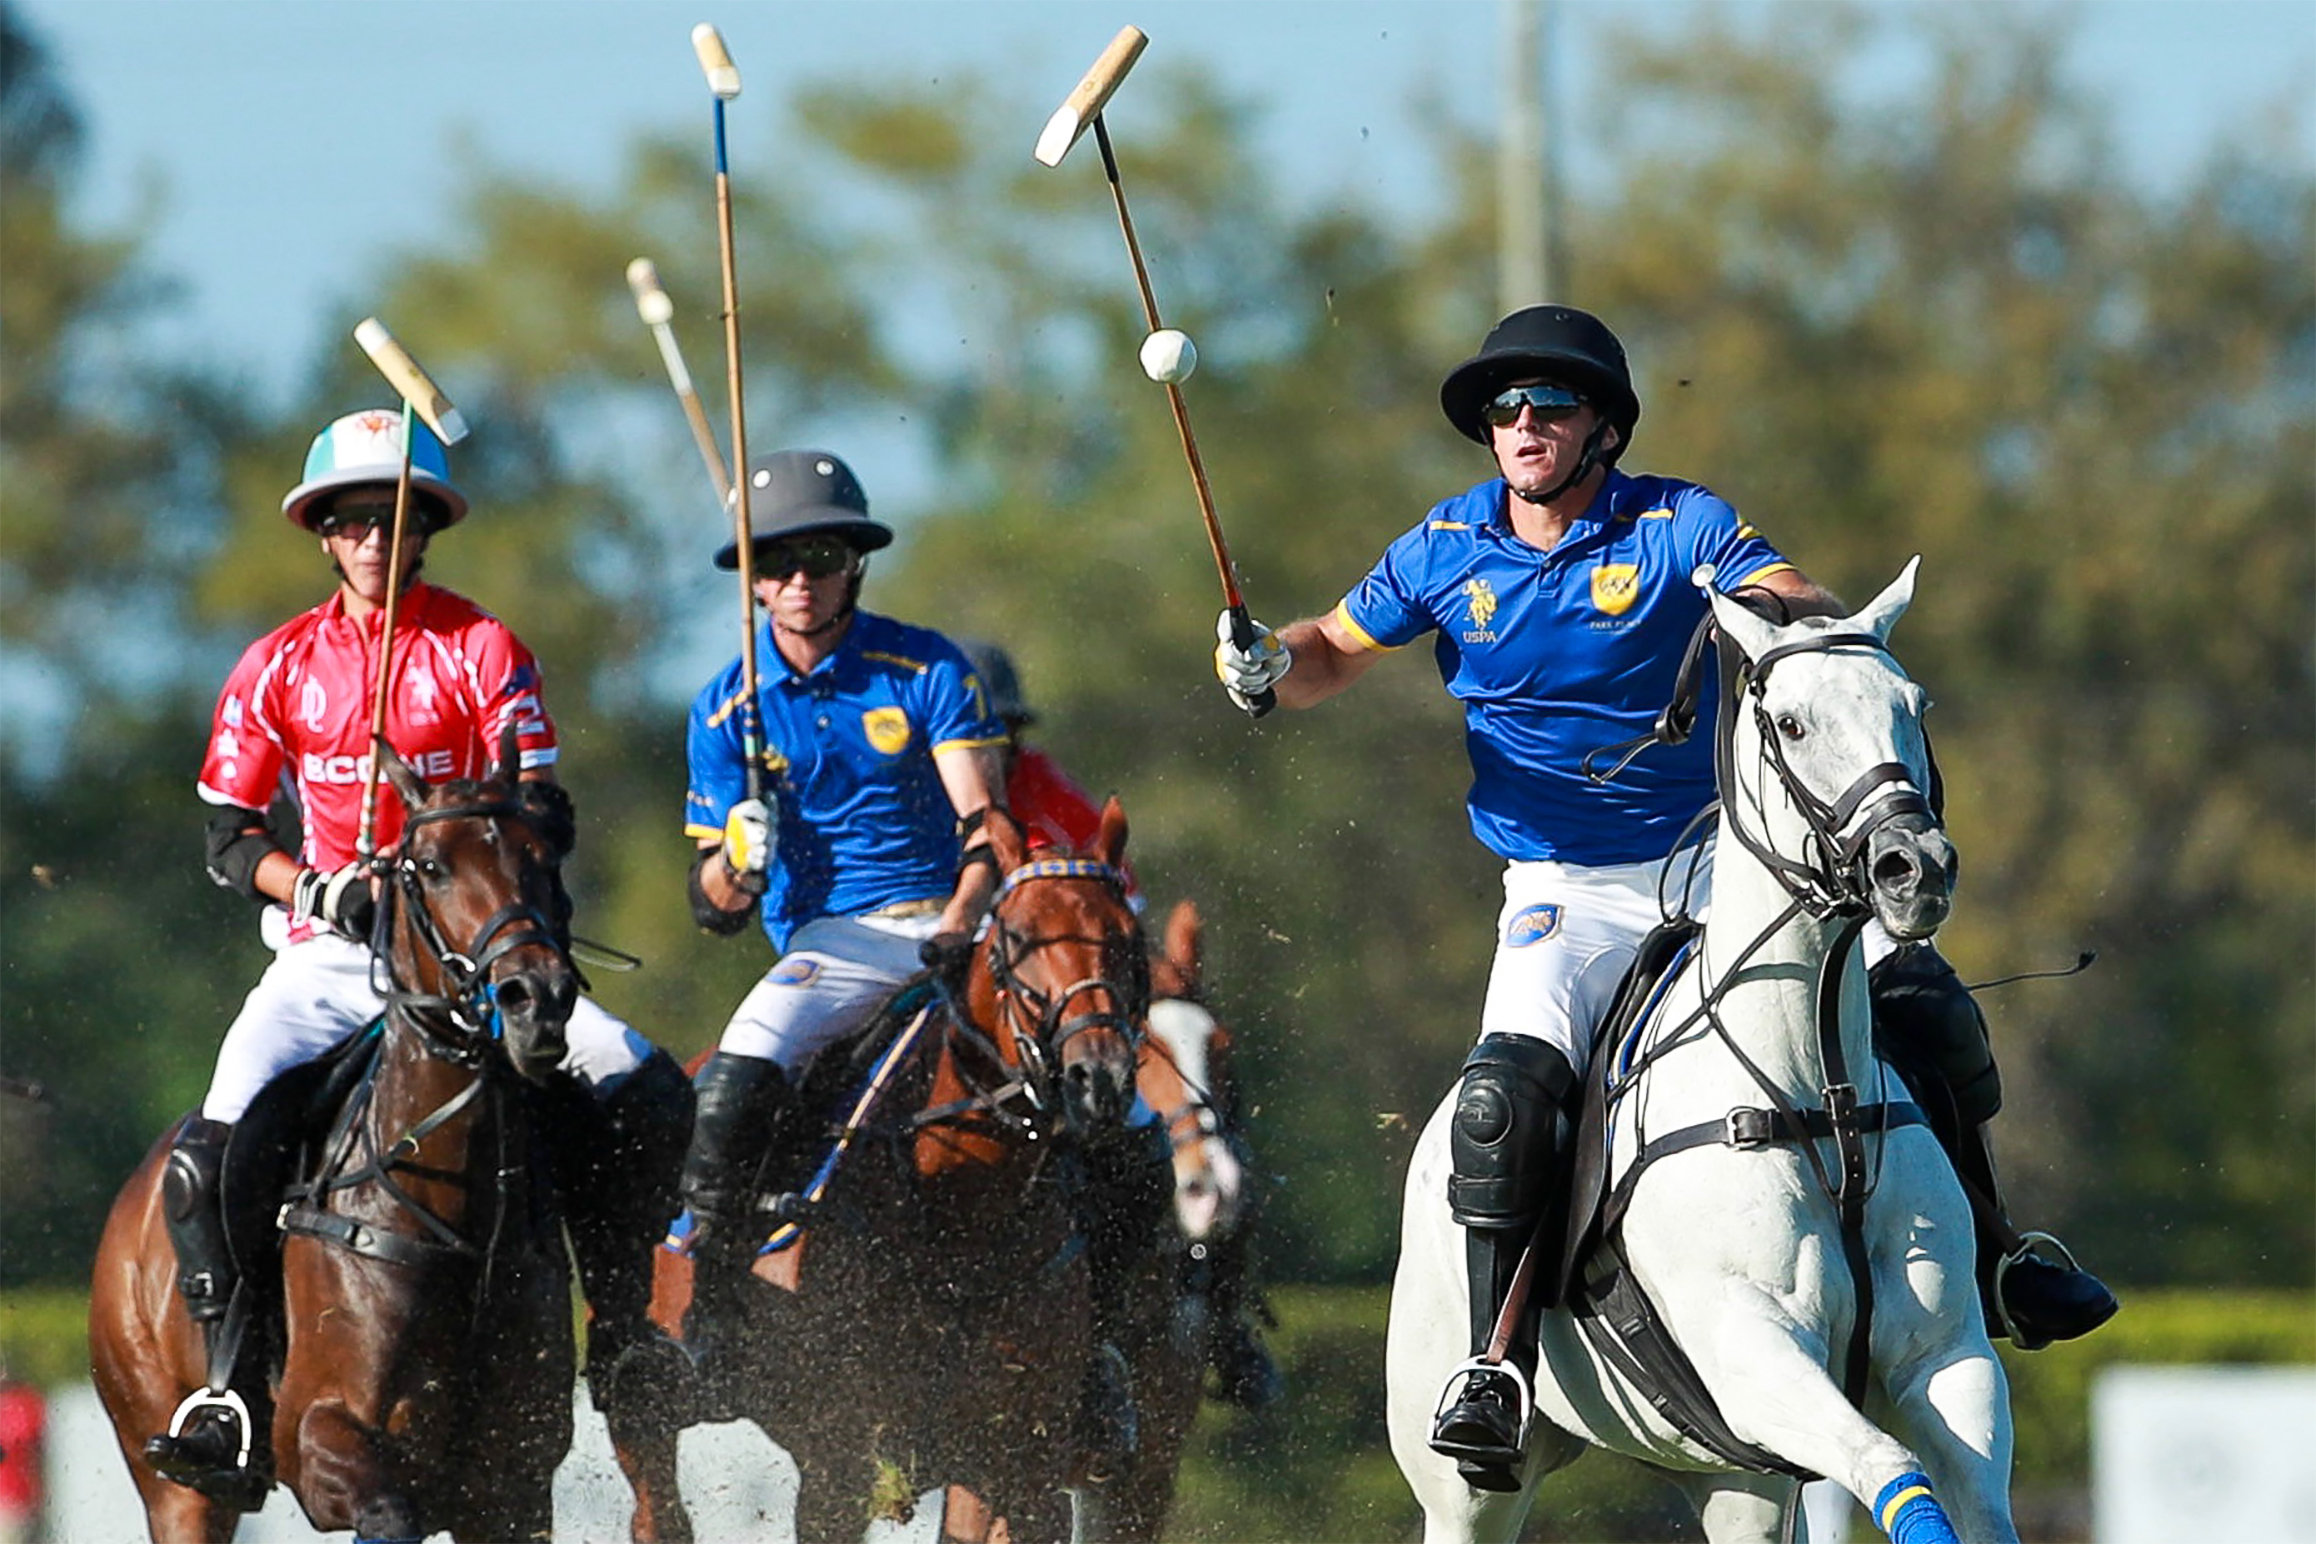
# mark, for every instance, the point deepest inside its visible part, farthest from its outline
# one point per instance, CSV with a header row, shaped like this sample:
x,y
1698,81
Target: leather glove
x,y
1249,673
749,839
949,956
338,899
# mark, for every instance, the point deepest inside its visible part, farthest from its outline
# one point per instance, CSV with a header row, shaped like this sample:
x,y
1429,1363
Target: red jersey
x,y
23,1430
1053,810
295,713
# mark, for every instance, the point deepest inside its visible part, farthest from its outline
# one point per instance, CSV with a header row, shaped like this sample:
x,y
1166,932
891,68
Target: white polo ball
x,y
1168,355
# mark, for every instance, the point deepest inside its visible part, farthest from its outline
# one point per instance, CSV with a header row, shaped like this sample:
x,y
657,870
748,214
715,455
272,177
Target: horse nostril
x,y
1894,871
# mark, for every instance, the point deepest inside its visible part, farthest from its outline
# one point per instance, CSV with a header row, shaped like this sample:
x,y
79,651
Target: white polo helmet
x,y
366,447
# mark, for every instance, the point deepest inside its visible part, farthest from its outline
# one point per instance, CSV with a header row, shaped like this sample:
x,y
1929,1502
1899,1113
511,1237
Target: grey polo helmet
x,y
1557,343
800,493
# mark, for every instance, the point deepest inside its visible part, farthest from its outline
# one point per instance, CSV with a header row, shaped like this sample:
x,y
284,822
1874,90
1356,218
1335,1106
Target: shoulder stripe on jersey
x,y
1449,525
1763,572
1747,530
730,706
966,745
1359,635
1658,513
915,666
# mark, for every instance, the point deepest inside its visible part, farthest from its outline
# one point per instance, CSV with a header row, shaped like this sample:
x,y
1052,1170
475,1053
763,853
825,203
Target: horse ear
x,y
1753,634
1183,927
1005,839
407,783
1879,614
1110,840
509,767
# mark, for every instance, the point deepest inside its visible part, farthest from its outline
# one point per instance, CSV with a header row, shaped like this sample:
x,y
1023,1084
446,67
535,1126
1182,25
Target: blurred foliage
x,y
1937,322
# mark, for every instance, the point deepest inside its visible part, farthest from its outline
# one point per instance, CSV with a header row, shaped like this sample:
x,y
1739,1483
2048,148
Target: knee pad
x,y
1926,1018
1509,1130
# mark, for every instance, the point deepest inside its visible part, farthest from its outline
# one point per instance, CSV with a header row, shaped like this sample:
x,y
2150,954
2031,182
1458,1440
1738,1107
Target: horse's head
x,y
471,947
1061,975
1824,769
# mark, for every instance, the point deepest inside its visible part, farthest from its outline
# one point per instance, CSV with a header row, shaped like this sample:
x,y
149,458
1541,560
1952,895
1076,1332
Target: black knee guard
x,y
194,1213
1509,1132
736,1101
1925,1019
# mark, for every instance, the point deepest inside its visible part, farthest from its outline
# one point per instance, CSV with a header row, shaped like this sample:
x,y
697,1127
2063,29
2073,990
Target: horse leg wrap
x,y
625,1156
1910,1514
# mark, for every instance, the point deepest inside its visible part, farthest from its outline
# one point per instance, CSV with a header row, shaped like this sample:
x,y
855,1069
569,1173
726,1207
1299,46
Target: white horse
x,y
1740,1246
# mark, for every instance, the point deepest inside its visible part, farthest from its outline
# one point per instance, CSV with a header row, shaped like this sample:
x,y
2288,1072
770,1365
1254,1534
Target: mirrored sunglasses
x,y
818,556
1547,401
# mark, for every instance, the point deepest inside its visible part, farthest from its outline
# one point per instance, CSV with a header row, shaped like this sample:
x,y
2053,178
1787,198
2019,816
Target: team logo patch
x,y
1483,603
1615,586
887,729
1532,925
795,971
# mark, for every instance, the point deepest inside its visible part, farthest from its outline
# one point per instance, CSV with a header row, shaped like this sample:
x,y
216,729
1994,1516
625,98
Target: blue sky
x,y
294,142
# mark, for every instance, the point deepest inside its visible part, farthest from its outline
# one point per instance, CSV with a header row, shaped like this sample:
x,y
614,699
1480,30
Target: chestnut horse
x,y
420,1367
936,1319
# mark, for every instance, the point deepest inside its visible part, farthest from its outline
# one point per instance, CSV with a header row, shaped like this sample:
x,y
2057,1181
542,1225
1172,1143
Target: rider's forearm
x,y
1322,666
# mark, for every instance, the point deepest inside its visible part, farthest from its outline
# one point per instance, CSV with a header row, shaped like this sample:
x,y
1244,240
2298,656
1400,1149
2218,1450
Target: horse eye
x,y
432,870
1789,726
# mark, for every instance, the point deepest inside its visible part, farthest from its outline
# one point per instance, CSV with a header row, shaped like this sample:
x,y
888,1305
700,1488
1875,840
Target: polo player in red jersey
x,y
294,720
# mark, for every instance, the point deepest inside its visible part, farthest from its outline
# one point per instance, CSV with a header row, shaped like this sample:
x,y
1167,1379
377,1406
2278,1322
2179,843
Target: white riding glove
x,y
749,839
1249,672
337,899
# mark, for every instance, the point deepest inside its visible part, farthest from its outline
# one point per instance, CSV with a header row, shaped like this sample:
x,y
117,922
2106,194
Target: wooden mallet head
x,y
415,385
1084,104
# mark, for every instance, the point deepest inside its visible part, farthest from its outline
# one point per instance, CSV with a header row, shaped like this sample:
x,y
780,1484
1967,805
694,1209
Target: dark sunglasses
x,y
360,521
1503,408
817,556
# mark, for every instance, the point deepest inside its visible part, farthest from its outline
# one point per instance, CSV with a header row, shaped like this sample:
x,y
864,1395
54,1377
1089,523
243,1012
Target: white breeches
x,y
1564,940
318,992
837,972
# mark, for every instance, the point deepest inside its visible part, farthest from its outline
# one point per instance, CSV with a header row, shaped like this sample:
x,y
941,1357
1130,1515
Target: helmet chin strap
x,y
1585,462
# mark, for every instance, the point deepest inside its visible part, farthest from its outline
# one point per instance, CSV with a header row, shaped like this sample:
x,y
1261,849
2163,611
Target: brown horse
x,y
936,1319
419,1358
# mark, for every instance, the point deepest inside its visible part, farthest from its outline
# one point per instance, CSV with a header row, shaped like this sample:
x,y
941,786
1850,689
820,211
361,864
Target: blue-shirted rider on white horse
x,y
1561,597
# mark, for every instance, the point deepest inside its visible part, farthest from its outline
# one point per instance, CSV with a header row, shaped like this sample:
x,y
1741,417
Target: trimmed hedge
x,y
1318,1467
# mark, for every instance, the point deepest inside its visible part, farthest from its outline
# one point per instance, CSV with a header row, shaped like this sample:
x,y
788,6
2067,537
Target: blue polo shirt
x,y
1557,653
864,821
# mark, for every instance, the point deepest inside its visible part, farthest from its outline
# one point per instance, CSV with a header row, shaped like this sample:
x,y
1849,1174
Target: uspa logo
x,y
1532,925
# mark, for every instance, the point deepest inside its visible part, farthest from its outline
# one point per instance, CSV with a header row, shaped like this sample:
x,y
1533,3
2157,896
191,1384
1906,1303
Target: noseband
x,y
463,1023
1833,882
1051,1032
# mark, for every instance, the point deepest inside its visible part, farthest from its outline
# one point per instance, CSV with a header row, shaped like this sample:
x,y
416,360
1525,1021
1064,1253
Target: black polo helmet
x,y
1557,343
803,492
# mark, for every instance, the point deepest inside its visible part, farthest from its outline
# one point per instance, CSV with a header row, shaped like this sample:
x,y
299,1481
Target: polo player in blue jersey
x,y
1562,594
879,758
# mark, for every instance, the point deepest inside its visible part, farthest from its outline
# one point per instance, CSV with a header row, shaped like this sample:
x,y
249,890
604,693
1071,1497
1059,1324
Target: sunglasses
x,y
1546,401
818,556
361,519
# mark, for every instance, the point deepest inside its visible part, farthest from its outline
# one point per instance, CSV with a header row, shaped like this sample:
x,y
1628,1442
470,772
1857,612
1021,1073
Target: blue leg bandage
x,y
1909,1514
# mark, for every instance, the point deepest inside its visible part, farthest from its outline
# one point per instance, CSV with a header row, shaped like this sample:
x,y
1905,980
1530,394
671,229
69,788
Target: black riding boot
x,y
1926,1021
213,1444
738,1101
619,1195
1508,1137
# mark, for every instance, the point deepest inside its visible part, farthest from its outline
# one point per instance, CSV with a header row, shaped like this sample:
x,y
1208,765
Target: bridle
x,y
461,1024
1040,1022
1832,881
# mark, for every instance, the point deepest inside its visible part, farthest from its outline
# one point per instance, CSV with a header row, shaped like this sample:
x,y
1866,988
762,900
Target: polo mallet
x,y
724,82
1081,109
420,396
657,311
